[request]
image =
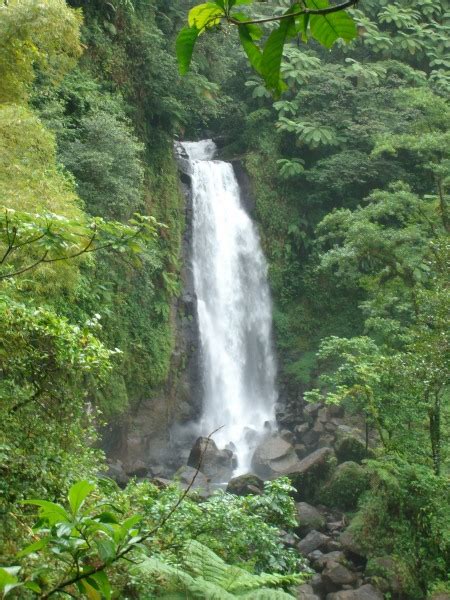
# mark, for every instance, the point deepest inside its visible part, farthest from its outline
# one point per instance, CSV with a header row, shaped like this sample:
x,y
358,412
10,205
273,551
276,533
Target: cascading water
x,y
234,308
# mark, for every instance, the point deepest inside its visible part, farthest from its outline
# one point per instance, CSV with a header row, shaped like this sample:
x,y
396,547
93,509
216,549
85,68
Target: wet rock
x,y
336,575
326,440
308,518
289,539
313,541
311,410
365,592
273,457
216,464
306,592
243,485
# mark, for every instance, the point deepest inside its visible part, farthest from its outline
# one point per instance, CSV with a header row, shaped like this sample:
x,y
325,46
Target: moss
x,y
345,487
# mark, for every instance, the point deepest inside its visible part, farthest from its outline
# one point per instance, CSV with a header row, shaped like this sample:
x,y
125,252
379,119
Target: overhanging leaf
x,y
273,52
185,46
250,48
205,15
326,29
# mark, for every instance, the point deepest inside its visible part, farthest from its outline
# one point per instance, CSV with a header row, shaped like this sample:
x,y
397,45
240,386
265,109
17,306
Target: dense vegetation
x,y
350,172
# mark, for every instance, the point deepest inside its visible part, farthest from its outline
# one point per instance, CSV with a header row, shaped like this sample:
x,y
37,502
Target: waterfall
x,y
234,308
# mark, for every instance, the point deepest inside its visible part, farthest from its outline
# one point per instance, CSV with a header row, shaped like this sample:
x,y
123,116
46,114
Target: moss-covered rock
x,y
345,487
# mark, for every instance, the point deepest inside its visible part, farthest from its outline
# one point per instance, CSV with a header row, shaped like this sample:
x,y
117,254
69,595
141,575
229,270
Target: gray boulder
x,y
350,544
273,457
310,473
216,464
313,541
188,476
243,485
308,518
336,575
306,592
365,592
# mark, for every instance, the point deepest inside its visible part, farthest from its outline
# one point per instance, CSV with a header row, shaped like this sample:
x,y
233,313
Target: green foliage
x,y
404,516
75,546
205,575
29,241
316,18
36,35
248,526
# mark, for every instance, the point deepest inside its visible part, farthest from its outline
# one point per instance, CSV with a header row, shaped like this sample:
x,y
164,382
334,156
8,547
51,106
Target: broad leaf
x,y
33,547
326,29
205,15
250,48
272,54
185,47
101,582
53,513
78,494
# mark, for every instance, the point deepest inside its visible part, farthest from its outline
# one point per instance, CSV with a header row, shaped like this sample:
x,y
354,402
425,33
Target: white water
x,y
234,308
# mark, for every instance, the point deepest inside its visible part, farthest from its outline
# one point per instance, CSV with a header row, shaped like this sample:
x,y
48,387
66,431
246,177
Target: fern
x,y
205,576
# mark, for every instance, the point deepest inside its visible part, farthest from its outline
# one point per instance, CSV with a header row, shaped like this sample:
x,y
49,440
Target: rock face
x,y
214,463
244,485
310,473
308,518
274,457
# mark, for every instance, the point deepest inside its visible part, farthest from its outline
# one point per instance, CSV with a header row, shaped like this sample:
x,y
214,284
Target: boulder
x,y
350,445
188,476
308,518
306,592
387,568
322,561
136,468
244,485
348,482
301,429
273,457
336,575
350,545
216,464
311,410
365,592
313,541
117,472
310,473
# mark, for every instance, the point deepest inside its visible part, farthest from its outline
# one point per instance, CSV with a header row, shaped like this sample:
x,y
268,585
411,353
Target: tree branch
x,y
305,11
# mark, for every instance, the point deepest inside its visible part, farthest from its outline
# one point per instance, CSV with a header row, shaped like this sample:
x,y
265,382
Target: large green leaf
x,y
326,29
273,52
205,15
78,494
185,46
250,48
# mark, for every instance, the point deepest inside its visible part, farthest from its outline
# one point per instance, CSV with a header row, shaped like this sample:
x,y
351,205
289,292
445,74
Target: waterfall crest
x,y
234,308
